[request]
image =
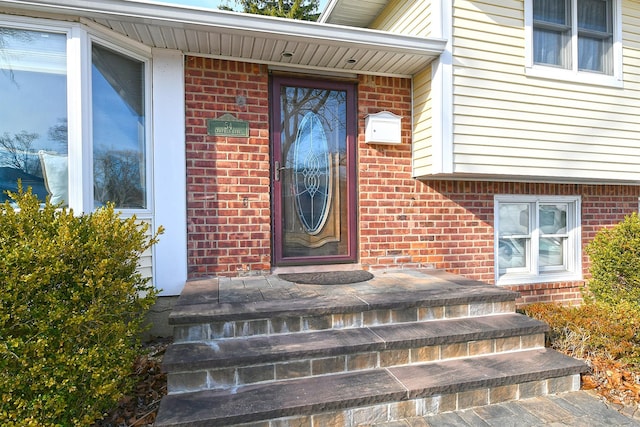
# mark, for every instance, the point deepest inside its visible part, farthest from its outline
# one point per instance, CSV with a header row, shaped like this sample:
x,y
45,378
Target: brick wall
x,y
393,214
402,222
468,206
228,206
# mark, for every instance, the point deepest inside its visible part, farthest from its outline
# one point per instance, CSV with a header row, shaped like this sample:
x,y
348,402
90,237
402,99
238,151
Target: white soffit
x,y
252,38
356,13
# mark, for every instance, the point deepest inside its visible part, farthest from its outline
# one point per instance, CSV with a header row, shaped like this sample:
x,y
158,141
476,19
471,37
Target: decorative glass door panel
x,y
313,168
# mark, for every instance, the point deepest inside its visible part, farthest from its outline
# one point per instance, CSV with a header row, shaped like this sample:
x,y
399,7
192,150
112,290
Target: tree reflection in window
x,y
312,174
314,178
33,84
118,129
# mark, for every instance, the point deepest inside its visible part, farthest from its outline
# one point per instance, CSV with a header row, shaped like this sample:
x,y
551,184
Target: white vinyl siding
x,y
145,263
415,18
422,122
513,126
405,17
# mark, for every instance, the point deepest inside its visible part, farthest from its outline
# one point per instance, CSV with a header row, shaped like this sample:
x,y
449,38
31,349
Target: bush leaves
x,y
72,305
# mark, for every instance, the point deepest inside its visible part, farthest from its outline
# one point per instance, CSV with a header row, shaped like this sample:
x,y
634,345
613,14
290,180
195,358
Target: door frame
x,y
277,236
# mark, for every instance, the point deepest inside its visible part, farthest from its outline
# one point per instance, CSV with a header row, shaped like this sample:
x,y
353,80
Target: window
x,y
118,129
537,239
33,111
581,37
82,151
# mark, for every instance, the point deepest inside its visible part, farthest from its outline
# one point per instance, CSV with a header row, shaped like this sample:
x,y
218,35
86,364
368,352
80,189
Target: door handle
x,y
277,168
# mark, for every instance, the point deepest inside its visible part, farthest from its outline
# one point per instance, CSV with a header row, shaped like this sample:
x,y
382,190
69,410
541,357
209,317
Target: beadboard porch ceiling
x,y
261,39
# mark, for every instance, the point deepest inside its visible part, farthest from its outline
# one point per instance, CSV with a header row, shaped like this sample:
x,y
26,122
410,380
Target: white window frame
x,y
574,75
79,107
532,273
165,118
139,56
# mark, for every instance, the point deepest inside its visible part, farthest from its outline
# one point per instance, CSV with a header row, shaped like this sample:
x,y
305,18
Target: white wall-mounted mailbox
x,y
383,128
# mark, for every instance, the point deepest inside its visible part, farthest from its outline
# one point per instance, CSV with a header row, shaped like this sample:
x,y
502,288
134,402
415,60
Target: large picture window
x,y
579,36
537,239
44,140
33,111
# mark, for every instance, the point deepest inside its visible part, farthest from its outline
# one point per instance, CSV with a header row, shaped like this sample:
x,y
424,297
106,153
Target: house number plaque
x,y
228,125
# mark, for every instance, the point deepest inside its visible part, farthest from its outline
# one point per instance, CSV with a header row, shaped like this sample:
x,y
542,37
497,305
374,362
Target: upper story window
x,y
578,40
537,239
79,137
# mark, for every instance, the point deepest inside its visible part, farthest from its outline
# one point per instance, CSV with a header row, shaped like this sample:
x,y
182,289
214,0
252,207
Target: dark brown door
x,y
313,171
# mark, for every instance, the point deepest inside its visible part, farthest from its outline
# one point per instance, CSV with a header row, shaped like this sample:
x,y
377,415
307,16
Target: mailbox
x,y
383,128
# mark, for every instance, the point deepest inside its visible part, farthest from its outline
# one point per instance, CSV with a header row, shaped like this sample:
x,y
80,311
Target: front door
x,y
313,171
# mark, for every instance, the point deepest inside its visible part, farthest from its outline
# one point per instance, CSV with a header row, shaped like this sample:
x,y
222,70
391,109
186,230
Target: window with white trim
x,y
574,37
537,239
73,117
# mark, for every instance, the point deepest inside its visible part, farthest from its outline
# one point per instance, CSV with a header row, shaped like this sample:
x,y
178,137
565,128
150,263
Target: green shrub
x,y
71,311
615,262
594,329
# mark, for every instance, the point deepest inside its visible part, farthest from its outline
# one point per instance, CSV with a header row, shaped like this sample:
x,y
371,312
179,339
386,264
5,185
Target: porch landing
x,y
407,344
255,296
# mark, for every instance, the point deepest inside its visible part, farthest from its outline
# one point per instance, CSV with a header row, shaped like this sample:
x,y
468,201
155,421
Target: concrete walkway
x,y
581,409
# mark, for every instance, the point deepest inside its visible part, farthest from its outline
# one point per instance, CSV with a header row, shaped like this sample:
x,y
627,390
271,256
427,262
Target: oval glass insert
x,y
312,174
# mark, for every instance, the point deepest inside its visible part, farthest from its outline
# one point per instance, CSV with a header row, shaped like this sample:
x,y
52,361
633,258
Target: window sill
x,y
526,279
581,77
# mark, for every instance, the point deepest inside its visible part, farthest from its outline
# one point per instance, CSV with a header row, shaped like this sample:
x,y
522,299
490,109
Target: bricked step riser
x,y
231,377
423,407
216,330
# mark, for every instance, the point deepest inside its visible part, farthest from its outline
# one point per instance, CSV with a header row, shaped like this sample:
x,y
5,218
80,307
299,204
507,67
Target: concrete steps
x,y
378,395
223,364
357,355
195,319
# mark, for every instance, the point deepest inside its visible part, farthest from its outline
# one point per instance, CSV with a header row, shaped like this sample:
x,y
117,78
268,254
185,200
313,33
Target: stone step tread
x,y
494,370
192,356
332,304
335,392
185,313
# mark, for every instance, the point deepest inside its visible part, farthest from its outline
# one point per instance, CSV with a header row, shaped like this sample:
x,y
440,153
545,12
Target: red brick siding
x,y
402,222
228,206
393,213
470,205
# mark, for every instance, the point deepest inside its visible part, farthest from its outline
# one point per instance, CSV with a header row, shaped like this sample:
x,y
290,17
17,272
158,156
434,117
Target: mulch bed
x,y
614,382
139,408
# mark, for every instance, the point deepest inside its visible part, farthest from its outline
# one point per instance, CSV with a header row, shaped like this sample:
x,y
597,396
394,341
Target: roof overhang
x,y
252,38
352,13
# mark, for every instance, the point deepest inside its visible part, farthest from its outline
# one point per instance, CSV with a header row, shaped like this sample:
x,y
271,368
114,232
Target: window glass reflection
x,y
551,251
33,113
314,177
118,129
514,218
512,253
553,219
